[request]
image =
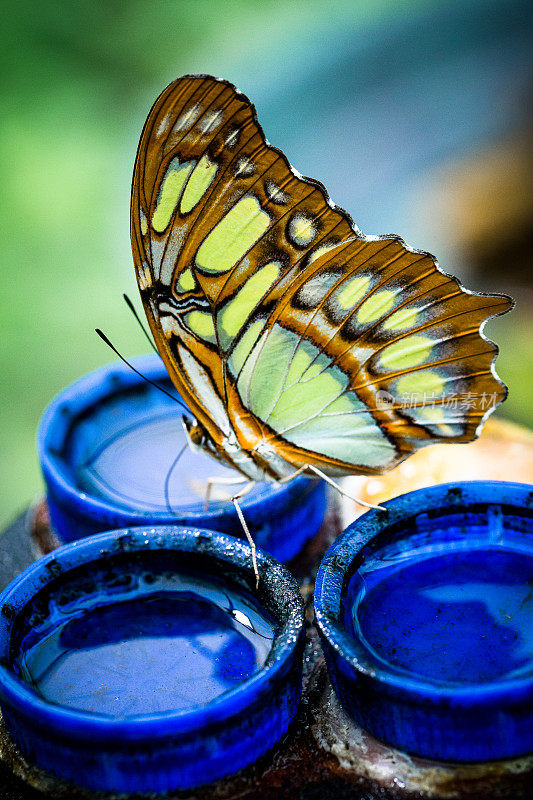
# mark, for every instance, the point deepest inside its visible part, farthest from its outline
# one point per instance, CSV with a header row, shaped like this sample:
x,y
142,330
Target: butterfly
x,y
297,342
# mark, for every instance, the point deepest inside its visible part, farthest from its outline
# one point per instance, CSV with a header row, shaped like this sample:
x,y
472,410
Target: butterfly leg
x,y
195,448
331,482
341,490
235,500
294,475
219,482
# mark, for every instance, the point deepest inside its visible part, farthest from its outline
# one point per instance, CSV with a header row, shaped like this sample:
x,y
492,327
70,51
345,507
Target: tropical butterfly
x,y
297,342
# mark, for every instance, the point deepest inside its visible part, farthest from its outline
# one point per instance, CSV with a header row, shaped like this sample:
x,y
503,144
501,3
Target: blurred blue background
x,y
413,114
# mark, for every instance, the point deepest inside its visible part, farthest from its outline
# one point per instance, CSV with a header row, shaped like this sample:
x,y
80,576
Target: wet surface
x,y
462,617
165,642
131,450
324,756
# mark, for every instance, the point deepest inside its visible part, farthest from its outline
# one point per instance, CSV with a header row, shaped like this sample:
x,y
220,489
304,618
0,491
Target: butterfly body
x,y
227,450
294,339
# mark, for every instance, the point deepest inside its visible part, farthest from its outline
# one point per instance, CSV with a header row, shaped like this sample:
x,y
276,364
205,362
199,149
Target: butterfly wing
x,y
171,182
281,325
207,192
370,353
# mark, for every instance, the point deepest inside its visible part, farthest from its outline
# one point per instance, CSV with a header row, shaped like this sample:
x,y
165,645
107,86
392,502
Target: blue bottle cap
x,y
144,660
425,612
107,445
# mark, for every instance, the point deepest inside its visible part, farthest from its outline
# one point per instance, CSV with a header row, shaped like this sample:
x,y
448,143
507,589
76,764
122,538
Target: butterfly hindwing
x,y
281,324
382,354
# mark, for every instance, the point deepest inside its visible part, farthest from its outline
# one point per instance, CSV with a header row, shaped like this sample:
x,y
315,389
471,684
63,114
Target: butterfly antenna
x,y
134,312
156,385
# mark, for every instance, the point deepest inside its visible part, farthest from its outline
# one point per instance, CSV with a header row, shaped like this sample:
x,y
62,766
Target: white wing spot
x,y
169,326
245,167
163,126
316,288
210,121
188,117
302,230
275,194
145,278
143,222
232,139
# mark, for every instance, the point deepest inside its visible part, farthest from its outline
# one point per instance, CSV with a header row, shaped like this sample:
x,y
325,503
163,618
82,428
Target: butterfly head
x,y
196,434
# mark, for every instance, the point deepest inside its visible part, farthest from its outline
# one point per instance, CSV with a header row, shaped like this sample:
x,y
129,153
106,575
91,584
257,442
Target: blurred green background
x,y
411,113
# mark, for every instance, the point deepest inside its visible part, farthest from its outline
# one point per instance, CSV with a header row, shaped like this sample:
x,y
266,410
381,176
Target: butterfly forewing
x,y
286,329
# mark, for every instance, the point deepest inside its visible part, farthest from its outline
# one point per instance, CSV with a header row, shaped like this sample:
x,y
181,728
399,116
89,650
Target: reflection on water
x,y
125,451
132,465
182,643
459,617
